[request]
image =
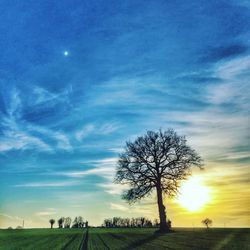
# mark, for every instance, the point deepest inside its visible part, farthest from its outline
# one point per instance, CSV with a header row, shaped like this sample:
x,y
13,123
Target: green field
x,y
127,238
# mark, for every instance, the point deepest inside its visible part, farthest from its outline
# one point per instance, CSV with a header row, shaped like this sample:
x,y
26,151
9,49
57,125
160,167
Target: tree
x,y
78,222
156,161
67,222
60,222
207,222
107,223
52,222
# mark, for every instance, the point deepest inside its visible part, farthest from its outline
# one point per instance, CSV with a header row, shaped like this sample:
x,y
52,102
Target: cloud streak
x,y
48,184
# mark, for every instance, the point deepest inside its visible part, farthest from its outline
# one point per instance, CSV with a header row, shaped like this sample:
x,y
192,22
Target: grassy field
x,y
100,238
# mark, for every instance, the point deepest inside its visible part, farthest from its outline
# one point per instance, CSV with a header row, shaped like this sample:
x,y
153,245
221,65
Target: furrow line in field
x,y
103,242
69,242
84,243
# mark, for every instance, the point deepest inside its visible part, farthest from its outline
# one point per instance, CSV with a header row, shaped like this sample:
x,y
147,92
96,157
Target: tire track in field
x,y
84,242
69,242
103,242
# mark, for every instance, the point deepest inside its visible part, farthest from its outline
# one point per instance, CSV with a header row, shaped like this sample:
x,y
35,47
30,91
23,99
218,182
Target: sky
x,y
80,78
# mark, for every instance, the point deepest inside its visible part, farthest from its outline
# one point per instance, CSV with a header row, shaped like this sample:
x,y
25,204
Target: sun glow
x,y
194,195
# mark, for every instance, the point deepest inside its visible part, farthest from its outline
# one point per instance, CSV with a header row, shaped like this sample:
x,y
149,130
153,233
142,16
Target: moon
x,y
66,53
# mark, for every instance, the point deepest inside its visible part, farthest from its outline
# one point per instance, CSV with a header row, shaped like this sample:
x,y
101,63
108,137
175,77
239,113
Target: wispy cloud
x,y
42,95
11,217
120,207
227,127
112,188
46,212
94,129
48,184
19,134
84,131
104,168
234,68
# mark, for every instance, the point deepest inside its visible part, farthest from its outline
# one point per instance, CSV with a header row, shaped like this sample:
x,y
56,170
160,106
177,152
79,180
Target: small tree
x,y
207,222
156,161
52,222
60,222
67,222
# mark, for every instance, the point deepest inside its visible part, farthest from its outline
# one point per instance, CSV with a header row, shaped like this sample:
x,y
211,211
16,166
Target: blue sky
x,y
130,66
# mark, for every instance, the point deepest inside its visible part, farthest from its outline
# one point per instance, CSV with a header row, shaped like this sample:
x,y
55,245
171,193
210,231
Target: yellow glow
x,y
194,195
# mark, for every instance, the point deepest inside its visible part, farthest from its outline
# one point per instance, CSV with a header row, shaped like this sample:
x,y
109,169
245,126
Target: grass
x,y
125,238
40,239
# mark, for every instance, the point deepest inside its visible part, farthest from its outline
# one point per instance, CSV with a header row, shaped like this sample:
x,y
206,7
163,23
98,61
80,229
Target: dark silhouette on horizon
x,y
60,222
52,222
156,161
65,222
138,222
78,222
207,222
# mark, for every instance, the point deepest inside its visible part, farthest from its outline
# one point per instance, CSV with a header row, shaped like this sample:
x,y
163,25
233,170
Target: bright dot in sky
x,y
194,195
66,53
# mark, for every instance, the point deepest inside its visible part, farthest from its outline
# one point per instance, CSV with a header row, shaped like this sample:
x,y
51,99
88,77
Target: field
x,y
127,238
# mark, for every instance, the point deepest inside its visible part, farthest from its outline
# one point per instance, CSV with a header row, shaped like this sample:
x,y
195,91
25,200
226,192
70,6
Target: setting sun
x,y
194,195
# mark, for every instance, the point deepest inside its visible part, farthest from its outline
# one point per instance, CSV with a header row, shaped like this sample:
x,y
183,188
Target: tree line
x,y
132,222
66,222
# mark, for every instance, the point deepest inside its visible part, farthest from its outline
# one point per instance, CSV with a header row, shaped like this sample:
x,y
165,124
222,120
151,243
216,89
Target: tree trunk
x,y
162,214
51,226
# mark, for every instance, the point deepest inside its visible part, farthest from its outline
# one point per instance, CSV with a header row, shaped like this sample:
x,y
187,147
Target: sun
x,y
194,194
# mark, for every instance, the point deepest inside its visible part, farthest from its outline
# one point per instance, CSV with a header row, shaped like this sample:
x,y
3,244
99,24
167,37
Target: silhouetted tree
x,y
75,223
52,222
156,223
108,223
142,219
156,161
207,222
127,222
148,223
133,222
67,222
60,222
78,222
115,221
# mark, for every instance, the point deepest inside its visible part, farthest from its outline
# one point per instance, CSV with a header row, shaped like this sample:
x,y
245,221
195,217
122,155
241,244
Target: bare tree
x,y
60,222
67,222
107,223
78,222
142,220
207,222
156,161
52,222
127,222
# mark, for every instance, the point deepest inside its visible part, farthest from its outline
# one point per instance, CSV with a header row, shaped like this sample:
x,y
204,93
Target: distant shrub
x,y
207,222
